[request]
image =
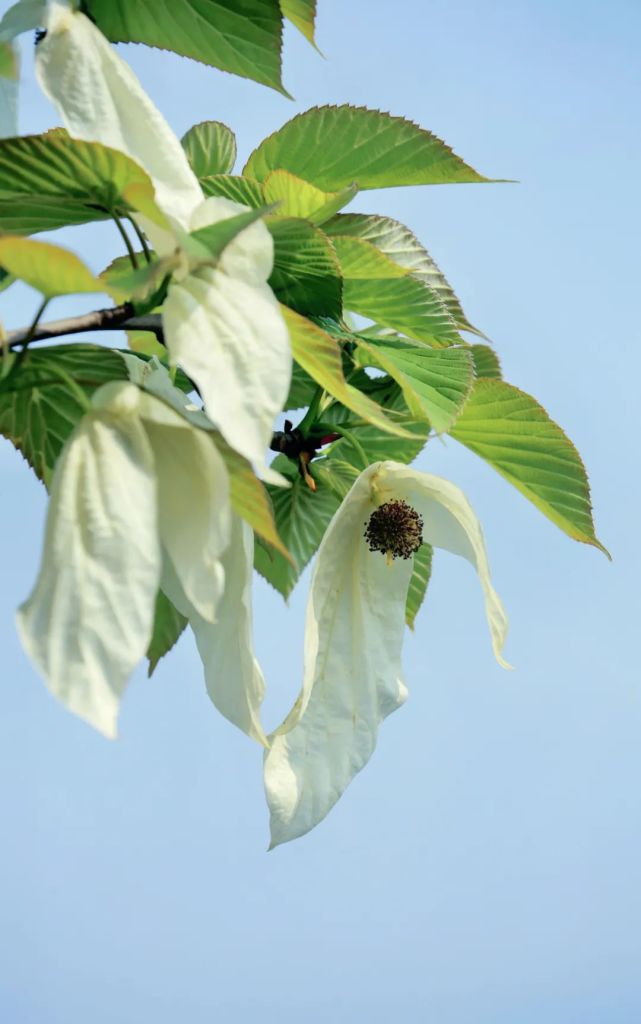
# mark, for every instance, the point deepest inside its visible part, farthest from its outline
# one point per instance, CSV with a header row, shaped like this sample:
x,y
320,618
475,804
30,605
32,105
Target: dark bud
x,y
395,529
40,34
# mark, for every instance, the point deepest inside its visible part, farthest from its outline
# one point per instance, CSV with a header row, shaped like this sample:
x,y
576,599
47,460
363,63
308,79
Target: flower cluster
x,y
140,499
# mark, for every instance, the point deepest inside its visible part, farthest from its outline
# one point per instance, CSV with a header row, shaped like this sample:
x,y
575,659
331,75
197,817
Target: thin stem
x,y
141,238
312,412
30,334
356,445
125,237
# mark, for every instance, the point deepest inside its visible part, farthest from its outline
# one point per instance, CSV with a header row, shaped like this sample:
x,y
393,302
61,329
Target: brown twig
x,y
117,318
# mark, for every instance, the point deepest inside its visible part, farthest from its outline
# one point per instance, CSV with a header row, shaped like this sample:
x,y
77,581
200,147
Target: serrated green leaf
x,y
210,147
306,276
240,190
169,626
243,39
335,146
319,355
418,583
511,431
47,268
302,516
435,382
38,409
486,362
51,181
299,198
378,288
302,14
399,244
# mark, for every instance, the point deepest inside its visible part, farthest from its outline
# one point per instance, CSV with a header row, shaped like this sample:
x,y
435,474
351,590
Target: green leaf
x,y
244,39
335,146
250,499
47,268
169,625
319,355
302,516
399,244
378,288
8,61
302,388
379,445
435,383
418,583
302,14
51,181
146,285
39,409
306,275
240,190
298,198
210,147
486,362
511,431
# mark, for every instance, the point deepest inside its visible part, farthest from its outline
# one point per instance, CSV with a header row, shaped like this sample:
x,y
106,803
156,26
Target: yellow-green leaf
x,y
302,14
250,499
298,198
318,353
8,60
48,268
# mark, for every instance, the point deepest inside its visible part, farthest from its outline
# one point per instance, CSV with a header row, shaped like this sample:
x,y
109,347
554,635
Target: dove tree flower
x,y
146,489
354,633
222,324
140,500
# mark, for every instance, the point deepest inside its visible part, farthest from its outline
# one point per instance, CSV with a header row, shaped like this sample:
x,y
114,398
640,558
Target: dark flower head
x,y
395,529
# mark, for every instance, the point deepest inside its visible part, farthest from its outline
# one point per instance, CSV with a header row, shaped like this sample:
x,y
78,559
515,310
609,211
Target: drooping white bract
x,y
353,640
222,325
139,500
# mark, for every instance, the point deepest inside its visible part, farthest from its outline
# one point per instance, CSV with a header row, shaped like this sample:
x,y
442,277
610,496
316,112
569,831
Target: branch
x,y
117,318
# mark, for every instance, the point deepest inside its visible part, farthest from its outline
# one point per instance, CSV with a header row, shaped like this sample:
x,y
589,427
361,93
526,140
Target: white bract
x,y
140,500
222,325
353,639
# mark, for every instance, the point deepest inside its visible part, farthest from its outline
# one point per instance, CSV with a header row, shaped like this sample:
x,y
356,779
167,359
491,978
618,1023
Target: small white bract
x,y
140,500
353,640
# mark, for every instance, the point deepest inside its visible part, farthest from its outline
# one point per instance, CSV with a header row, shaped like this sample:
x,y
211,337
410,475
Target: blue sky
x,y
486,866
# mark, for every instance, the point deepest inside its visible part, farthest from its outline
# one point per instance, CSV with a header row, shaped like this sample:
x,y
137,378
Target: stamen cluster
x,y
395,529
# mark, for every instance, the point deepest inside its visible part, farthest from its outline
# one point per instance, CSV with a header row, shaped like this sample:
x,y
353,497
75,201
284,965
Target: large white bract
x,y
353,640
223,326
140,500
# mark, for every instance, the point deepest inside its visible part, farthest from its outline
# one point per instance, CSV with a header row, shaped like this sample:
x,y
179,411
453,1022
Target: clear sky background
x,y
485,868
